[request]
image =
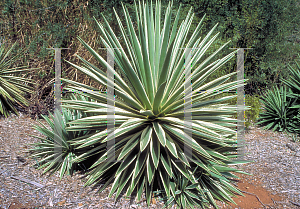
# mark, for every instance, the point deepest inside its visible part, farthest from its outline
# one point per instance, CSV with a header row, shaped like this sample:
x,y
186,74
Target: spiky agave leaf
x,y
294,83
12,88
56,151
149,110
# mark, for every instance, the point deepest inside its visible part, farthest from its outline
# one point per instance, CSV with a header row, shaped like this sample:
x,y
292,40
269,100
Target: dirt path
x,y
256,196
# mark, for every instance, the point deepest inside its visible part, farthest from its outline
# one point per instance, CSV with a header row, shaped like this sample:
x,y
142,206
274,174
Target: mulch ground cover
x,y
274,182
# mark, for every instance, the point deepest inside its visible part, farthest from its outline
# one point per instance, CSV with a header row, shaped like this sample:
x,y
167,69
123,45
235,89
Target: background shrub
x,y
252,115
270,27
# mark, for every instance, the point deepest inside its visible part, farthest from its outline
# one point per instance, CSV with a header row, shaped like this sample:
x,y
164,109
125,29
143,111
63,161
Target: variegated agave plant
x,y
12,87
278,112
149,112
56,151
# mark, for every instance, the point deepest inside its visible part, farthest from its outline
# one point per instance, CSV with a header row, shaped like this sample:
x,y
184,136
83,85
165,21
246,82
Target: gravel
x,y
276,162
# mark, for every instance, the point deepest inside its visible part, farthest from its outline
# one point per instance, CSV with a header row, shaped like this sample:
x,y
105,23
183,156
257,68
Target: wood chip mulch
x,y
276,167
23,186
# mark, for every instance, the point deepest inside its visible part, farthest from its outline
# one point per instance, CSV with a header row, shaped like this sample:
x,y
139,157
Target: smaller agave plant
x,y
294,84
12,87
58,149
185,192
277,114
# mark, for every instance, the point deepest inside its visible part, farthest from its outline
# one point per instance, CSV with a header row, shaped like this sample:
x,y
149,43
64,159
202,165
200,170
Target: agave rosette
x,y
12,87
55,151
277,114
149,111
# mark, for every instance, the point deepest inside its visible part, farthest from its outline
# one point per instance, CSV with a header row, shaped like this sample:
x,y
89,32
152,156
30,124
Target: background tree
x,y
271,28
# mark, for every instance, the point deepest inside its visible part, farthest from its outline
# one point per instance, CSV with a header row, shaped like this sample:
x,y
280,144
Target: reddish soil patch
x,y
253,189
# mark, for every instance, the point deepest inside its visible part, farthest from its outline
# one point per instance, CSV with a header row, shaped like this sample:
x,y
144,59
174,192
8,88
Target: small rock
x,y
292,146
134,206
297,154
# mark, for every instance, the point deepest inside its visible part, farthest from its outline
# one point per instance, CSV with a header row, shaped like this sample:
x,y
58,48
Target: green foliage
x,y
252,115
284,106
39,25
149,113
270,27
